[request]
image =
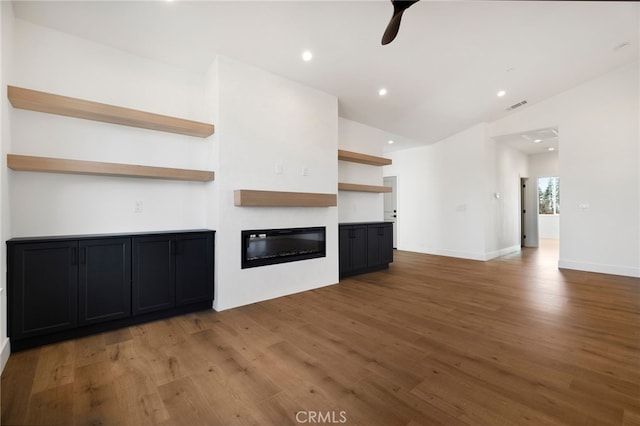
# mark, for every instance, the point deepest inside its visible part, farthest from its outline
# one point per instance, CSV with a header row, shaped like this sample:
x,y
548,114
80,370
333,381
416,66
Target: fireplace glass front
x,y
270,246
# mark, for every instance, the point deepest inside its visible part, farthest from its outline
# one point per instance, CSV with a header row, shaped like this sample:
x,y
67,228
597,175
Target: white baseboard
x,y
465,254
5,351
503,252
627,271
448,253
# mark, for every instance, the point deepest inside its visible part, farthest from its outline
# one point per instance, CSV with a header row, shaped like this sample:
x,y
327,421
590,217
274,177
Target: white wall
x,y
265,120
447,201
545,165
261,120
446,196
505,166
599,125
6,38
360,206
55,204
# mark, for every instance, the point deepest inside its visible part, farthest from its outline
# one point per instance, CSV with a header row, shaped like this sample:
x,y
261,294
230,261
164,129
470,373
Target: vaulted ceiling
x,y
442,73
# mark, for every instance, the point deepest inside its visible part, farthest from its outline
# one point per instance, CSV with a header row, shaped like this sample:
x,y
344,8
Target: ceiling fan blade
x,y
399,6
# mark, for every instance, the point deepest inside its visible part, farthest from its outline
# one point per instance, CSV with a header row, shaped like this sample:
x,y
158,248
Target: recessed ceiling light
x,y
537,141
307,56
390,142
501,93
382,92
551,148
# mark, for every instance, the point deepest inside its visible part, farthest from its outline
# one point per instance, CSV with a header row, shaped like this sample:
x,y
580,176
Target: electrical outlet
x,y
305,171
279,168
137,208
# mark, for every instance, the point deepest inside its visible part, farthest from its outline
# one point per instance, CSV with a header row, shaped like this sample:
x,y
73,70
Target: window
x,y
549,195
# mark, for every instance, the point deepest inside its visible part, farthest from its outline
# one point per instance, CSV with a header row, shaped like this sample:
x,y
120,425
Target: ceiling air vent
x,y
518,105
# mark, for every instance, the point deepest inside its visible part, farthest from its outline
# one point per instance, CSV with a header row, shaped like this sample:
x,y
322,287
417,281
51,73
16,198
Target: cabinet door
x,y
105,280
373,246
386,243
153,284
43,288
344,249
353,248
194,268
359,255
380,244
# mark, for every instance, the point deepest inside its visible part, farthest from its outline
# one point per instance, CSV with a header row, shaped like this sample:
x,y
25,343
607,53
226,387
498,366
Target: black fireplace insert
x,y
262,247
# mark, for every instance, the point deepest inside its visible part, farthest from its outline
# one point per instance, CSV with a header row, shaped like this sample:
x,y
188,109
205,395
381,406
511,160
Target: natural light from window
x,y
549,195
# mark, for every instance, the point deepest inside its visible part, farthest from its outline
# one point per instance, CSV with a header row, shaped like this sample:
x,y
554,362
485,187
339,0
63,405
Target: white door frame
x,y
391,205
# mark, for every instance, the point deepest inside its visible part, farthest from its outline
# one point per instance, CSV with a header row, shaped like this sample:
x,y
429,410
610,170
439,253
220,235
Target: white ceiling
x,y
532,142
442,72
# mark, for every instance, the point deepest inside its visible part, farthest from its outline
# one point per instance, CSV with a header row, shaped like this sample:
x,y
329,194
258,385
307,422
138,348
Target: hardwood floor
x,y
433,340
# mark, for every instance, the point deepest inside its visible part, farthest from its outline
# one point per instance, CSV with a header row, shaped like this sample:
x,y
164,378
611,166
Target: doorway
x,y
391,205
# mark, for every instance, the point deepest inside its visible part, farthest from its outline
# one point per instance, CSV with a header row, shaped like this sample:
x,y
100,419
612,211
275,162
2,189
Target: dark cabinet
x,y
64,287
172,270
352,248
43,288
104,289
380,243
193,268
153,285
61,285
365,247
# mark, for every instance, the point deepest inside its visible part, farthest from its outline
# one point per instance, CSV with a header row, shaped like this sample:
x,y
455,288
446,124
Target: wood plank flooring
x,y
432,340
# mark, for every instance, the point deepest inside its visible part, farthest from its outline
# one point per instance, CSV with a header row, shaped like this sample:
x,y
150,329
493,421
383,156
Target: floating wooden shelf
x,y
362,188
251,198
59,165
73,107
356,157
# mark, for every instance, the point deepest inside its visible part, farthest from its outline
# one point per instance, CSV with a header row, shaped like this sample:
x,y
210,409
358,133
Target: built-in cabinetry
x,y
64,287
365,247
104,286
380,244
171,270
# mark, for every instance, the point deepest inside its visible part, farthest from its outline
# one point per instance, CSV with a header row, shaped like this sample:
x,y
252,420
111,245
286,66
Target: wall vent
x,y
518,105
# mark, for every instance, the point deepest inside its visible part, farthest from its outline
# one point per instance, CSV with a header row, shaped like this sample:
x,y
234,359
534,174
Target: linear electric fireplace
x,y
269,246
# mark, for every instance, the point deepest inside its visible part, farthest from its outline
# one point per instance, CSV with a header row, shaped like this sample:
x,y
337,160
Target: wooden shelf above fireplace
x,y
253,198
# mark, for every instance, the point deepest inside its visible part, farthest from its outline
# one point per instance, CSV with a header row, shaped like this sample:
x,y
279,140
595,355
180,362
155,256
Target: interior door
x,y
391,205
523,211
